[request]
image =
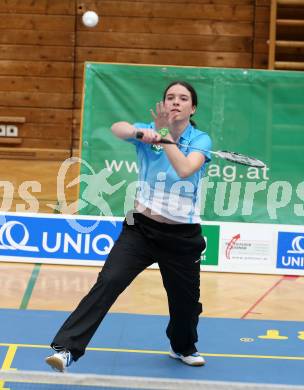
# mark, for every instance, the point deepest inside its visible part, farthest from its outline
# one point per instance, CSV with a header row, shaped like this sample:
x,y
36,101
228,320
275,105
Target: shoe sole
x,y
176,357
55,363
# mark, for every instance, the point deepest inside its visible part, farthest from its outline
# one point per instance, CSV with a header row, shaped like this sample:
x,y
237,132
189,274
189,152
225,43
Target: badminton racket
x,y
234,157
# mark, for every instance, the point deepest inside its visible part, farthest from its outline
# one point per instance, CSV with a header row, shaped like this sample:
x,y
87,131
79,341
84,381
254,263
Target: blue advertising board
x,y
54,238
290,254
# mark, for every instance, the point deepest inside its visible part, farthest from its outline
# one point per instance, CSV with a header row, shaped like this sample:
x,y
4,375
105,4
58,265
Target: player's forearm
x,y
123,130
183,165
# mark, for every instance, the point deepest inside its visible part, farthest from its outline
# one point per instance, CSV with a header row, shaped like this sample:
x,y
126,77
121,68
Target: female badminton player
x,y
164,227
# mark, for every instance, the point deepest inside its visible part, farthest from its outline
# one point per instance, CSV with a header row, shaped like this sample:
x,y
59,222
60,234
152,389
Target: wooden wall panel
x,y
173,26
134,40
53,7
261,34
94,3
36,22
30,52
167,57
183,10
39,115
36,68
39,38
43,46
37,47
36,99
37,84
46,130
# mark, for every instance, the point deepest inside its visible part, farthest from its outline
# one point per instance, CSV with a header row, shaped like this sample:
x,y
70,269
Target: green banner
x,y
211,234
255,112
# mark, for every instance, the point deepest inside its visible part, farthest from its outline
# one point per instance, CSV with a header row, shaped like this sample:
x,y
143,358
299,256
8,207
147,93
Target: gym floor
x,y
251,329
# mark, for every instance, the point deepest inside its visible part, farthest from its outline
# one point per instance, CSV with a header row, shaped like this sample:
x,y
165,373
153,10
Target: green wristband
x,y
164,131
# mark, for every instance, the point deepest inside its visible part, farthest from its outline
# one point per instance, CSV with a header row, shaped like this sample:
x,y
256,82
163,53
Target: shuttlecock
x,y
90,18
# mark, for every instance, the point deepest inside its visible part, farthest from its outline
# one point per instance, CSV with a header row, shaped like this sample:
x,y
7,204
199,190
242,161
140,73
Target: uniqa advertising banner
x,y
57,239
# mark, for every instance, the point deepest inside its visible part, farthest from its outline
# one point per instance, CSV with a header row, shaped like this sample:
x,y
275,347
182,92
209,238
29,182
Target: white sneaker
x,y
59,361
195,359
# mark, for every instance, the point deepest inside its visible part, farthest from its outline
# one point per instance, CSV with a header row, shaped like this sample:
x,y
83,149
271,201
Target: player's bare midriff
x,y
153,215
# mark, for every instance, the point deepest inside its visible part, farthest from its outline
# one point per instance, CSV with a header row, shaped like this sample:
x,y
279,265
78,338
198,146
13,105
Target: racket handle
x,y
167,141
140,134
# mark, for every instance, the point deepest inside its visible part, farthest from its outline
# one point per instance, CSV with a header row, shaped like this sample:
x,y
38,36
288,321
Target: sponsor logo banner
x,y
290,254
48,238
247,248
211,235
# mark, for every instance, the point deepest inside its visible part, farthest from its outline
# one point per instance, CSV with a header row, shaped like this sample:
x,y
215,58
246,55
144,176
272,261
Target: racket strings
x,y
234,157
240,158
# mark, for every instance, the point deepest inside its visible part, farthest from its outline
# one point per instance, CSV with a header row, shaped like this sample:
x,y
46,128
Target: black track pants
x,y
176,248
